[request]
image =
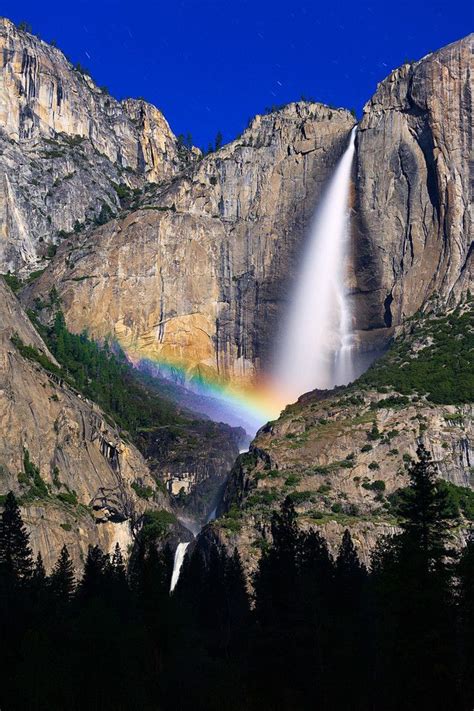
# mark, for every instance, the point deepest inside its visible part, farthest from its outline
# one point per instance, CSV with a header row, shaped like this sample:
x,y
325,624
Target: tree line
x,y
315,631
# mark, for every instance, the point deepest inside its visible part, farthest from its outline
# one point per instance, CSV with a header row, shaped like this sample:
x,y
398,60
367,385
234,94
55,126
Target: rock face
x,y
187,262
341,455
322,453
85,469
411,220
64,144
193,463
197,277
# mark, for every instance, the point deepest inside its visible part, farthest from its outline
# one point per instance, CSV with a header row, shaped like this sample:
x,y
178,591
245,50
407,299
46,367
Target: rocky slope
x,y
65,148
59,453
197,278
342,455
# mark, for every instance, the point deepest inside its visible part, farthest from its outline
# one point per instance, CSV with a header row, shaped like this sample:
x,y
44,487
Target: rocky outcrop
x,y
64,144
340,457
59,454
193,462
197,277
411,219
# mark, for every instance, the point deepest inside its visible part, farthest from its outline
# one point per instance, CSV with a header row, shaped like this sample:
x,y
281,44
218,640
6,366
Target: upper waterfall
x,y
315,350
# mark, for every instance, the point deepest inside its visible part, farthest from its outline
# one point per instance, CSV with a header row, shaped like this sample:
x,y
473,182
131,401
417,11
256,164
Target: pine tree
x,y
349,569
413,583
96,569
426,512
275,589
218,141
16,561
38,578
465,574
62,580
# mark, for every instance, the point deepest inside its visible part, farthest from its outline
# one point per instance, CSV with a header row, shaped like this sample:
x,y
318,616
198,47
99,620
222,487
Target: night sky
x,y
210,65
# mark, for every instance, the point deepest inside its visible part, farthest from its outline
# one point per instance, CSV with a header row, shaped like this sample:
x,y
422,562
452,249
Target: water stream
x,y
316,345
178,562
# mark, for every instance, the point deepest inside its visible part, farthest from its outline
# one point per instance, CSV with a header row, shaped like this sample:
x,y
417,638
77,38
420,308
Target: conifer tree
x,y
16,560
62,580
465,574
38,578
95,571
426,513
349,570
274,592
413,584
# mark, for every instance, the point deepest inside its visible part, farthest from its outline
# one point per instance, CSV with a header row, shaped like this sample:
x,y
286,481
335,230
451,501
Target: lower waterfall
x,y
316,345
178,562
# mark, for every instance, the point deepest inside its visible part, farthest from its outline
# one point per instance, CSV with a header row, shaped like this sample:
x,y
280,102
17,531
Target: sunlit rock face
x,y
64,143
411,223
198,278
86,466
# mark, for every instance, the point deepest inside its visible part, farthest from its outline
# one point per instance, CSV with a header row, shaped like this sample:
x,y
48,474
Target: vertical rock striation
x,y
198,275
82,493
412,220
64,143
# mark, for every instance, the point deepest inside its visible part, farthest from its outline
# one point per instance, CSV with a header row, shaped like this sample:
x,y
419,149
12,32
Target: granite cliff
x,y
186,262
59,453
412,225
197,276
65,148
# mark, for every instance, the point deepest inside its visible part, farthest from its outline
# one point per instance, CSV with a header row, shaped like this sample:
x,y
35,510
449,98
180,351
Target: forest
x,y
308,630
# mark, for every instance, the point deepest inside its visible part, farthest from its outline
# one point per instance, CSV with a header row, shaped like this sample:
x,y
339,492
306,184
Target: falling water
x,y
178,562
317,343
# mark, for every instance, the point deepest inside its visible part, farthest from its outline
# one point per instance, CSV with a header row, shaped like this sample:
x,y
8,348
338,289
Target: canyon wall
x,y
64,144
412,223
82,492
198,275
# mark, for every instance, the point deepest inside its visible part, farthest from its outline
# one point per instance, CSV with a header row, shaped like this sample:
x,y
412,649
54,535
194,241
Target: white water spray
x,y
317,343
178,562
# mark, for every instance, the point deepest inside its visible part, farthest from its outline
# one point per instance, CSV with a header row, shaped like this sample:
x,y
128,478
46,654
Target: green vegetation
x,y
442,370
378,486
103,375
232,520
144,492
157,523
32,478
300,497
15,283
68,497
390,402
262,498
32,353
459,499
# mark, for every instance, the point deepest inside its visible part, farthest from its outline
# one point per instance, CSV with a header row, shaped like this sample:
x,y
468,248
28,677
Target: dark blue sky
x,y
210,64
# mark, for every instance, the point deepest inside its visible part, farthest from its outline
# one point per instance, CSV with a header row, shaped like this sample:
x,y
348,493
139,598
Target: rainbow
x,y
251,406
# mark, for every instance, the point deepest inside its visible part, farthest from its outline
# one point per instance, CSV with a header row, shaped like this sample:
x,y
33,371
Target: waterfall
x,y
178,562
316,346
